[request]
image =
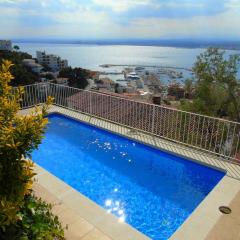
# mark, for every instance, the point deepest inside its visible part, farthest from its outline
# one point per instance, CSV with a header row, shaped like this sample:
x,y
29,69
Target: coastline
x,y
145,66
224,45
111,60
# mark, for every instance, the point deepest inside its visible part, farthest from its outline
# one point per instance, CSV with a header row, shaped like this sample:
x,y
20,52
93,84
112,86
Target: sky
x,y
120,19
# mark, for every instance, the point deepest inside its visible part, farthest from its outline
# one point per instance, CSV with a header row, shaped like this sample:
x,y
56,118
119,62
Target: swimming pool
x,y
151,190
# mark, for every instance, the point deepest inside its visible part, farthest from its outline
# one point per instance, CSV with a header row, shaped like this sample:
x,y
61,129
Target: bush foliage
x,y
217,87
35,222
19,135
22,74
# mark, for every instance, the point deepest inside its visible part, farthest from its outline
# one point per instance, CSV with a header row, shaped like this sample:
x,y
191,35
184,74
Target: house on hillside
x,y
5,45
31,63
54,62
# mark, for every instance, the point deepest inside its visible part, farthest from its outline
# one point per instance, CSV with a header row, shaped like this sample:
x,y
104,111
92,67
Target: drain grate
x,y
225,210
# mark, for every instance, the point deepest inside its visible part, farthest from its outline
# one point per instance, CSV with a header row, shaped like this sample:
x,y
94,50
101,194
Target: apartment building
x,y
35,67
6,45
54,62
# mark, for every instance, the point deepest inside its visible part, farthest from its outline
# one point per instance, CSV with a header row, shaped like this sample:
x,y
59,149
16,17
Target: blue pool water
x,y
149,189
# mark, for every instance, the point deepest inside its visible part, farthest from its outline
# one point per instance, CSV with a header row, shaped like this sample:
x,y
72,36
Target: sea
x,y
93,56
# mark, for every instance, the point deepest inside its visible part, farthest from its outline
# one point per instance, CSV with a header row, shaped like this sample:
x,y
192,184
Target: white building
x,y
35,67
54,62
6,45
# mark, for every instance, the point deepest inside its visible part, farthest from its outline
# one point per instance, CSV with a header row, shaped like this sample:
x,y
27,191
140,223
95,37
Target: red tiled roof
x,y
121,110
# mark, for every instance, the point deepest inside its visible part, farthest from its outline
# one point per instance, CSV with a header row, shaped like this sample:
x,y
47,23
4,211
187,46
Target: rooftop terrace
x,y
211,141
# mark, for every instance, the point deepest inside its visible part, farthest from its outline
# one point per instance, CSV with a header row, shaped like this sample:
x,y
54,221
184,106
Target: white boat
x,y
132,76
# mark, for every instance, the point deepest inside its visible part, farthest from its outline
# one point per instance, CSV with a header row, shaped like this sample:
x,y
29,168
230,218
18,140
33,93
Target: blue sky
x,y
111,19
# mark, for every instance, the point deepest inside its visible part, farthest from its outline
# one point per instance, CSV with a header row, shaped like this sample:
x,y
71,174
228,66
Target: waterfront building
x,y
31,63
91,84
54,62
6,45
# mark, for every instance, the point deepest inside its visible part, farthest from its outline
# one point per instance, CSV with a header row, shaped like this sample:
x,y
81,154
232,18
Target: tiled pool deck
x,y
87,220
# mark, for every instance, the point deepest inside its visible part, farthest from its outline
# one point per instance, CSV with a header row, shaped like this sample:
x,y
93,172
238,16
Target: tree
x,y
19,135
49,76
217,89
188,88
116,88
77,76
22,74
16,47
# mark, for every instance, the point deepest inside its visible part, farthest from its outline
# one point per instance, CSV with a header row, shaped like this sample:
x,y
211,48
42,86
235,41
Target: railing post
x,y
90,106
153,119
46,90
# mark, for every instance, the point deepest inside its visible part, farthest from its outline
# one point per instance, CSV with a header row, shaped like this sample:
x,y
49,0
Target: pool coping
x,y
196,226
86,208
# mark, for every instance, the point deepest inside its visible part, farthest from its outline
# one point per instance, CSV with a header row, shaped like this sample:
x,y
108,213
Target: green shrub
x,y
35,221
167,102
22,216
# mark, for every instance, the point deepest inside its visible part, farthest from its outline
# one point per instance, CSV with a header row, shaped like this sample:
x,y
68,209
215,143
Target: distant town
x,y
142,83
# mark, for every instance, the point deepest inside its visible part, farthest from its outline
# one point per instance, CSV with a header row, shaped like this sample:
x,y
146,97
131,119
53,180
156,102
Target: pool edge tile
x,y
88,210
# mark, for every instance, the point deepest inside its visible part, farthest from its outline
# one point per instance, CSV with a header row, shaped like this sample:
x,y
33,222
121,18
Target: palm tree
x,y
16,47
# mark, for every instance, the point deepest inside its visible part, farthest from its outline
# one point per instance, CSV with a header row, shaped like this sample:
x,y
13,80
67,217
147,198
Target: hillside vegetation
x,y
22,74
